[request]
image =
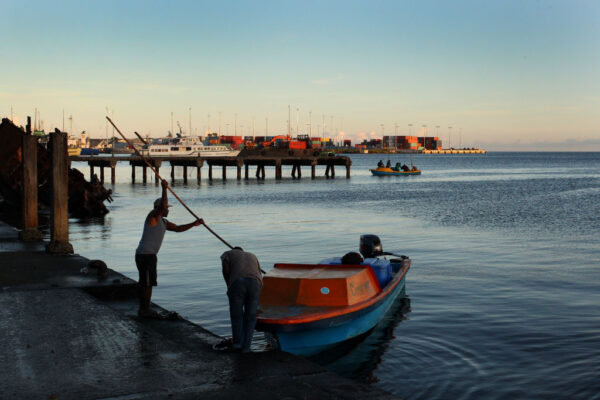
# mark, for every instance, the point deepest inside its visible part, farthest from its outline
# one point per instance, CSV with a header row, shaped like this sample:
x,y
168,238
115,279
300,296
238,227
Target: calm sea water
x,y
503,294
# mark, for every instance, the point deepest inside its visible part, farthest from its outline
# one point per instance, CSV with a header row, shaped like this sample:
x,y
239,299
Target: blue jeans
x,y
243,295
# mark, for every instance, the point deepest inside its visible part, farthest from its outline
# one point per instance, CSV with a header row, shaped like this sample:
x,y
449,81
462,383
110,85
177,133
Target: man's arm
x,y
226,270
182,228
154,215
164,185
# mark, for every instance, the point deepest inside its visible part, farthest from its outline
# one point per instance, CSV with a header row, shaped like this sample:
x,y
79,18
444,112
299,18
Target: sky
x,y
495,74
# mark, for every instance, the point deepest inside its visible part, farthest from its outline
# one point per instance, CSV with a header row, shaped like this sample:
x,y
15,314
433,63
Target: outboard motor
x,y
370,246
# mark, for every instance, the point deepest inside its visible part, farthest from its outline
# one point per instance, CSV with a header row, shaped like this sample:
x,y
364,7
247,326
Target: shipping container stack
x,y
316,142
327,142
402,142
432,143
236,142
374,144
390,142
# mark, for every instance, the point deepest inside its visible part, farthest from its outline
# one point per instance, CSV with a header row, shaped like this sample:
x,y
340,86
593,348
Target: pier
x,y
455,151
257,161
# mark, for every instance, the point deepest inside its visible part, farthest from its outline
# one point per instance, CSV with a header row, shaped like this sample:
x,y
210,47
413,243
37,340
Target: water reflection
x,y
359,358
92,228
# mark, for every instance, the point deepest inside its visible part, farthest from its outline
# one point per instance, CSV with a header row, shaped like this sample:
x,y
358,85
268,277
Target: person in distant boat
x,y
155,227
397,167
380,163
414,168
389,164
405,167
242,273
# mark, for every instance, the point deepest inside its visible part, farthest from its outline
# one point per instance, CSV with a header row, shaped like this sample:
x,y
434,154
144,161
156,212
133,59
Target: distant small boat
x,y
309,308
382,171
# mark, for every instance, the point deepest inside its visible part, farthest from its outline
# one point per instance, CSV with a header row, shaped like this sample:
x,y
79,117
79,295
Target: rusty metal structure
x,y
86,199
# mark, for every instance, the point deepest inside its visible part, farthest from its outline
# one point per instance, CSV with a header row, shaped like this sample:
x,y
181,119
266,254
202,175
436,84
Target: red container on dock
x,y
297,145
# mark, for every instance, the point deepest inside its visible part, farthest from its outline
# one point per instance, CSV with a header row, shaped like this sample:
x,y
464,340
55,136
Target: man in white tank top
x,y
155,227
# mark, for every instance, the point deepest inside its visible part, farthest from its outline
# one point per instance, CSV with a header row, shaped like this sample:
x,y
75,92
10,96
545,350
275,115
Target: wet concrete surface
x,y
68,335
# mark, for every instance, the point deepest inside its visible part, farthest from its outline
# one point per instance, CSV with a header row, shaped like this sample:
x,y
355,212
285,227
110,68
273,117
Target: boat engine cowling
x,y
370,246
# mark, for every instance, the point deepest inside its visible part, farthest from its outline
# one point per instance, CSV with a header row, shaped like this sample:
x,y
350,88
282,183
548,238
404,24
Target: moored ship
x,y
188,147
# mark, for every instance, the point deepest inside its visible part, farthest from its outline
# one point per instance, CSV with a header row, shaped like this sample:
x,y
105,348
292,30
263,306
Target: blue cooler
x,y
382,269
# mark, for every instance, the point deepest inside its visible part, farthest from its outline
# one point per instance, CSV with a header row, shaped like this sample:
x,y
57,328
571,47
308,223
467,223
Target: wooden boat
x,y
382,171
310,308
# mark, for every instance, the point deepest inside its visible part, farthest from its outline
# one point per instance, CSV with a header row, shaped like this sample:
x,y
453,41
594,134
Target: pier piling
x,y
59,225
29,195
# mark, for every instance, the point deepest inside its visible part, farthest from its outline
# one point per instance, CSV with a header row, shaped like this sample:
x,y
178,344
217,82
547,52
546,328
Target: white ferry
x,y
188,147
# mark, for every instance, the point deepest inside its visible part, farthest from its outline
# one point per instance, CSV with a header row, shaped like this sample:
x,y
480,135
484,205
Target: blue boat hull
x,y
310,339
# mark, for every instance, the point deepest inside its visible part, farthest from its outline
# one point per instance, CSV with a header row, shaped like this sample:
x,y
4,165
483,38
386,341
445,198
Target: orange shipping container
x,y
297,145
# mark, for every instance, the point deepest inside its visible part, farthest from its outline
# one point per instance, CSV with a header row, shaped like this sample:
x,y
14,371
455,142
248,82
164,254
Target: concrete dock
x,y
67,334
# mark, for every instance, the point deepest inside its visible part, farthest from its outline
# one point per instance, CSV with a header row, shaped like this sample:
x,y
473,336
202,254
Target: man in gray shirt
x,y
242,274
155,227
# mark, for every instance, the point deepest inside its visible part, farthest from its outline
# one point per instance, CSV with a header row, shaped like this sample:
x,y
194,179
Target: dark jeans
x,y
243,295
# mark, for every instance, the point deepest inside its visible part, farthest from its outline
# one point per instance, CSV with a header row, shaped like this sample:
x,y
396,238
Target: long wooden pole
x,y
168,187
